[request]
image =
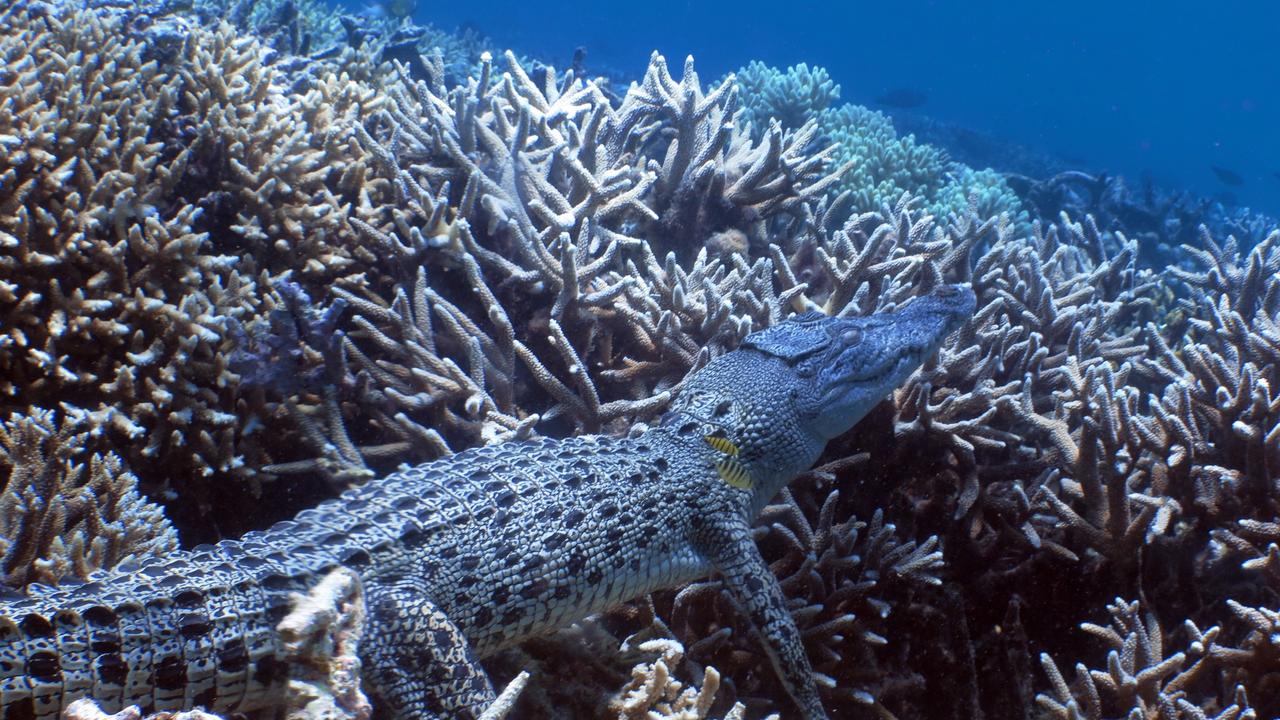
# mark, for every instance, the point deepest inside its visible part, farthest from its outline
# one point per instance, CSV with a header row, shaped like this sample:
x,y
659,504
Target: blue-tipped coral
x,y
792,97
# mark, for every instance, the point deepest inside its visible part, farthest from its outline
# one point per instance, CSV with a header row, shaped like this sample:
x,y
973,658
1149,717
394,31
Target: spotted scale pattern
x,y
197,629
422,664
577,529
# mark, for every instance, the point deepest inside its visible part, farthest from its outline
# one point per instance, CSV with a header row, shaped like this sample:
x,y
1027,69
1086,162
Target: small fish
x,y
1227,177
731,469
904,98
722,444
734,472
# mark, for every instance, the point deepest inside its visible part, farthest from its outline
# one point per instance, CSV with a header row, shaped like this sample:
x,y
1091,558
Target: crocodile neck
x,y
772,444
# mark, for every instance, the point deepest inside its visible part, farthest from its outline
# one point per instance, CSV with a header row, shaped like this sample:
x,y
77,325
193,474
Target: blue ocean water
x,y
1168,90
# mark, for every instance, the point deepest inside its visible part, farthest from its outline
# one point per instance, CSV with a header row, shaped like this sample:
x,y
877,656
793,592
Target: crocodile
x,y
468,554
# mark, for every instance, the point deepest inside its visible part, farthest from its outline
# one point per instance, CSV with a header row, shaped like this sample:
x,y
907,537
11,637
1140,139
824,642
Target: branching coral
x,y
225,251
1142,681
143,206
1215,434
1023,446
101,291
842,578
529,201
654,693
792,97
884,164
1115,452
65,512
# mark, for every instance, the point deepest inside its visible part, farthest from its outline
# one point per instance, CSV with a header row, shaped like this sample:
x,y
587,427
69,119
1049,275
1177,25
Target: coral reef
x,y
227,259
983,193
1161,221
1140,681
885,166
524,208
653,693
144,205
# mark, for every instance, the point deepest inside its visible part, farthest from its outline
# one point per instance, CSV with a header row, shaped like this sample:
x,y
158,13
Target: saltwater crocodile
x,y
468,554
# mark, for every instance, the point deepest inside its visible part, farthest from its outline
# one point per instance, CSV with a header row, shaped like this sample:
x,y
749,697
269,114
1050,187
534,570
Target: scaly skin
x,y
463,556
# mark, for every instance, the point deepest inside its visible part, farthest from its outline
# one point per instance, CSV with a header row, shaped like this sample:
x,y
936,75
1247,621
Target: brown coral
x,y
66,512
147,201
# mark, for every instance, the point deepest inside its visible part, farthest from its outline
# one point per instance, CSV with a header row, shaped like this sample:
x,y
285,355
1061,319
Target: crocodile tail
x,y
193,632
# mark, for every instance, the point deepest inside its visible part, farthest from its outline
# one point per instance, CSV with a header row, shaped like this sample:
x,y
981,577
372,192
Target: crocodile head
x,y
766,410
840,368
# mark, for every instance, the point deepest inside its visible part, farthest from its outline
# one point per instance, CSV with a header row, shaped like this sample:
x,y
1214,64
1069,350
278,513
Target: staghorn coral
x,y
1135,466
842,578
1025,432
1160,219
586,670
654,693
1020,448
1141,681
65,512
79,205
522,252
144,205
1216,431
528,201
969,411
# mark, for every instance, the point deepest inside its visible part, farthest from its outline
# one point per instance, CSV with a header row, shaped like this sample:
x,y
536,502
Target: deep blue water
x,y
1116,86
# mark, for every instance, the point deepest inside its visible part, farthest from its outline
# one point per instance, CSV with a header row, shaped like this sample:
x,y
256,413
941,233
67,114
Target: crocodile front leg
x,y
726,542
418,661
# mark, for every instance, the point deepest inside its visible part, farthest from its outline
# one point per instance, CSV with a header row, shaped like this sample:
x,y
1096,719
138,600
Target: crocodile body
x,y
463,556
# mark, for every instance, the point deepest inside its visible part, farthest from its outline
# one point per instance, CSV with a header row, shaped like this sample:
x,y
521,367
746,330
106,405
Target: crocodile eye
x,y
851,337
